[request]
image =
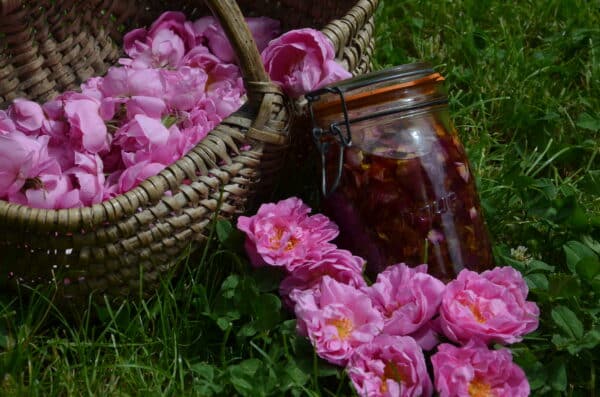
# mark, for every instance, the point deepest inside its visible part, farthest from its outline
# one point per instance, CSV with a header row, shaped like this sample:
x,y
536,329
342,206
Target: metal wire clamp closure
x,y
344,140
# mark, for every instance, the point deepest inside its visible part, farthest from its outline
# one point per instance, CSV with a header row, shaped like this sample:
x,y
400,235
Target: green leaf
x,y
242,376
567,321
297,376
229,286
561,342
224,323
536,265
575,251
564,286
595,283
591,339
537,281
591,182
204,370
267,279
588,268
229,236
588,122
267,309
557,374
594,245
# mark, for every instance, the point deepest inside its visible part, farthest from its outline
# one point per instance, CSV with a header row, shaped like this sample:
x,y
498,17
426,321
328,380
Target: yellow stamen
x,y
344,326
390,371
478,388
276,239
477,313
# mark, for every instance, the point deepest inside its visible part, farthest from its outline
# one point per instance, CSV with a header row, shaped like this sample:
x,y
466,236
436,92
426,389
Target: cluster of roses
x,y
379,331
180,80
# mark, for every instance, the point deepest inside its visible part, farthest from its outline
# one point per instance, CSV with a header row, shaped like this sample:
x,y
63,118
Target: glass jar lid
x,y
373,89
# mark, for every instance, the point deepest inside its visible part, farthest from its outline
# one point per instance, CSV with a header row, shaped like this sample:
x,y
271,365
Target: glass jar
x,y
396,178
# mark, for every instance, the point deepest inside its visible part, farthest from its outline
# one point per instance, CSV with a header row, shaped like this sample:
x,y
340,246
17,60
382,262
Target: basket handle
x,y
232,21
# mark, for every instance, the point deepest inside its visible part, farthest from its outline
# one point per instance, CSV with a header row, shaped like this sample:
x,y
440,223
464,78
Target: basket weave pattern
x,y
125,245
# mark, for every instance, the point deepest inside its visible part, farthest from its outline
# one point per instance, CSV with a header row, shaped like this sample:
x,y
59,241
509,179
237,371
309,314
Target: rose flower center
x,y
344,327
478,388
477,313
391,371
275,241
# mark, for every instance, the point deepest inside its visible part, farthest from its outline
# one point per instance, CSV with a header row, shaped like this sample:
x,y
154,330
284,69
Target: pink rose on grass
x,y
283,234
27,115
302,60
263,30
489,307
338,264
337,319
389,366
428,336
476,371
406,297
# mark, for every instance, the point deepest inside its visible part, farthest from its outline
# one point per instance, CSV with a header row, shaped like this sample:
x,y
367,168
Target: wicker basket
x,y
128,244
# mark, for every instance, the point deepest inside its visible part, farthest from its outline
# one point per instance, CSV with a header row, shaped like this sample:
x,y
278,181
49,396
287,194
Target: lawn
x,y
524,85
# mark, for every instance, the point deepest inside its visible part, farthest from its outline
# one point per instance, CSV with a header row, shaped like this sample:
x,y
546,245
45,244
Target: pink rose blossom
x,y
150,106
338,264
164,44
22,158
283,234
428,336
199,122
390,366
48,191
184,87
302,60
27,115
88,176
6,124
137,173
406,297
337,319
88,131
167,48
90,88
142,132
489,307
173,149
177,23
263,30
475,371
123,82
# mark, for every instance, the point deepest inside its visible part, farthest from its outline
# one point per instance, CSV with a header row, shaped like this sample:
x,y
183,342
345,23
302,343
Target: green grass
x,y
524,84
